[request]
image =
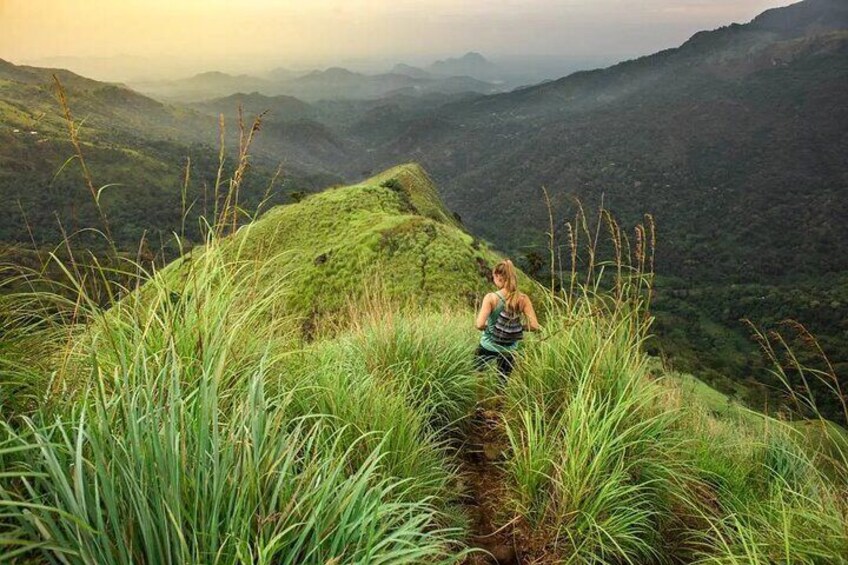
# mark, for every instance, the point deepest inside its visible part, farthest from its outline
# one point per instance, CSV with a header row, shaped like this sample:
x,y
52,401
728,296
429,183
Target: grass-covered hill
x,y
189,422
385,238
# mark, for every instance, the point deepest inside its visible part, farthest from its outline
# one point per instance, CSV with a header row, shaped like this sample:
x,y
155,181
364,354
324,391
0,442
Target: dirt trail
x,y
491,529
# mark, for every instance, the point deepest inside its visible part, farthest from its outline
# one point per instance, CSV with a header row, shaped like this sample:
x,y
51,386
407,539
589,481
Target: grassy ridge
x,y
191,423
388,236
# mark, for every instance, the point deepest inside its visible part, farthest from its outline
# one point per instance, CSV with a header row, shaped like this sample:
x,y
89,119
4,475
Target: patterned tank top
x,y
486,339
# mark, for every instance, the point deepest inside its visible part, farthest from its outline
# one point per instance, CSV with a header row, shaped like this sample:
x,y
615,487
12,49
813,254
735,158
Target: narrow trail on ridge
x,y
491,528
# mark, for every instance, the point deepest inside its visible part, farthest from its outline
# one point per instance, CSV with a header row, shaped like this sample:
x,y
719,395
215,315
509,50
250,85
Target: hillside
x,y
712,137
735,142
191,422
135,144
388,237
202,86
281,107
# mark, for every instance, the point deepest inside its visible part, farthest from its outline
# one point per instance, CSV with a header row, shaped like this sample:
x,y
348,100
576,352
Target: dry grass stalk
x,y
572,244
219,175
551,237
183,198
229,214
73,131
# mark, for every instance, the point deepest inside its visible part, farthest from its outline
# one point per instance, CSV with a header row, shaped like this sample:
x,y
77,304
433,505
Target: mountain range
x,y
715,138
136,145
444,77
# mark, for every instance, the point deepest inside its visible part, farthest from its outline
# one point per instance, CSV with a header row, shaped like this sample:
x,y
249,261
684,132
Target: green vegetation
x,y
608,465
734,141
387,238
298,385
139,148
196,440
738,151
702,330
189,422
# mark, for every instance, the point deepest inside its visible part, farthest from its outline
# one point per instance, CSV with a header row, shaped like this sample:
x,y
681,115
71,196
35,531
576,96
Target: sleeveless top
x,y
487,342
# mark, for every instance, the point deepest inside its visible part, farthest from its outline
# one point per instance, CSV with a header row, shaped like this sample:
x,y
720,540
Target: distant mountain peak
x,y
470,58
339,72
471,64
474,56
212,74
410,71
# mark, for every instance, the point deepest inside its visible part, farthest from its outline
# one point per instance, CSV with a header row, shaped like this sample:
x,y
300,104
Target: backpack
x,y
507,329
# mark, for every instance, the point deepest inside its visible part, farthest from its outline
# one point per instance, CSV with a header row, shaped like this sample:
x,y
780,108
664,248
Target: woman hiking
x,y
500,320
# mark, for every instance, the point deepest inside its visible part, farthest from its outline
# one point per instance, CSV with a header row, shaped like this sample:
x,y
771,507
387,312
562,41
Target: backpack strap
x,y
503,299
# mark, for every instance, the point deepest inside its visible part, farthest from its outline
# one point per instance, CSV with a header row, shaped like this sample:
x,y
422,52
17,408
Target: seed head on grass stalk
x,y
230,211
73,132
784,362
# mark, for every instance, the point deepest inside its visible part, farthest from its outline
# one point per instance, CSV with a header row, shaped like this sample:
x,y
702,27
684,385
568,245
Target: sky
x,y
176,35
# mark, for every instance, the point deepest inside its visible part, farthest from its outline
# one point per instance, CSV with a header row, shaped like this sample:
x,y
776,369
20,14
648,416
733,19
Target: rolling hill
x,y
282,107
386,237
334,83
138,146
202,86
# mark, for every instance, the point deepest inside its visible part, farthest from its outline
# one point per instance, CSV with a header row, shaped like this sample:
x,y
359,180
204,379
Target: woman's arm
x,y
530,314
485,310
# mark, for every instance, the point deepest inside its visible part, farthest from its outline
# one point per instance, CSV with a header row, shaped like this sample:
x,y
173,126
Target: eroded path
x,y
492,529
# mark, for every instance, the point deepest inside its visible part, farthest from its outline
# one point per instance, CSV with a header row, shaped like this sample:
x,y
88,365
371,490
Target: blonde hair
x,y
506,270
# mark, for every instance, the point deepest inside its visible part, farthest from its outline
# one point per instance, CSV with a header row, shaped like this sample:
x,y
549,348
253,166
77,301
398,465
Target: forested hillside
x,y
735,142
137,146
715,138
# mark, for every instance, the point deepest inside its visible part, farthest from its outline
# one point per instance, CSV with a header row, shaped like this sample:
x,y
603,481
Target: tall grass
x,y
608,465
176,451
163,476
778,489
597,464
426,358
181,422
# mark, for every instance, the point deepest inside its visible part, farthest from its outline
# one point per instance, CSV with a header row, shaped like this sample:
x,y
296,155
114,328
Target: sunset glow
x,y
258,33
